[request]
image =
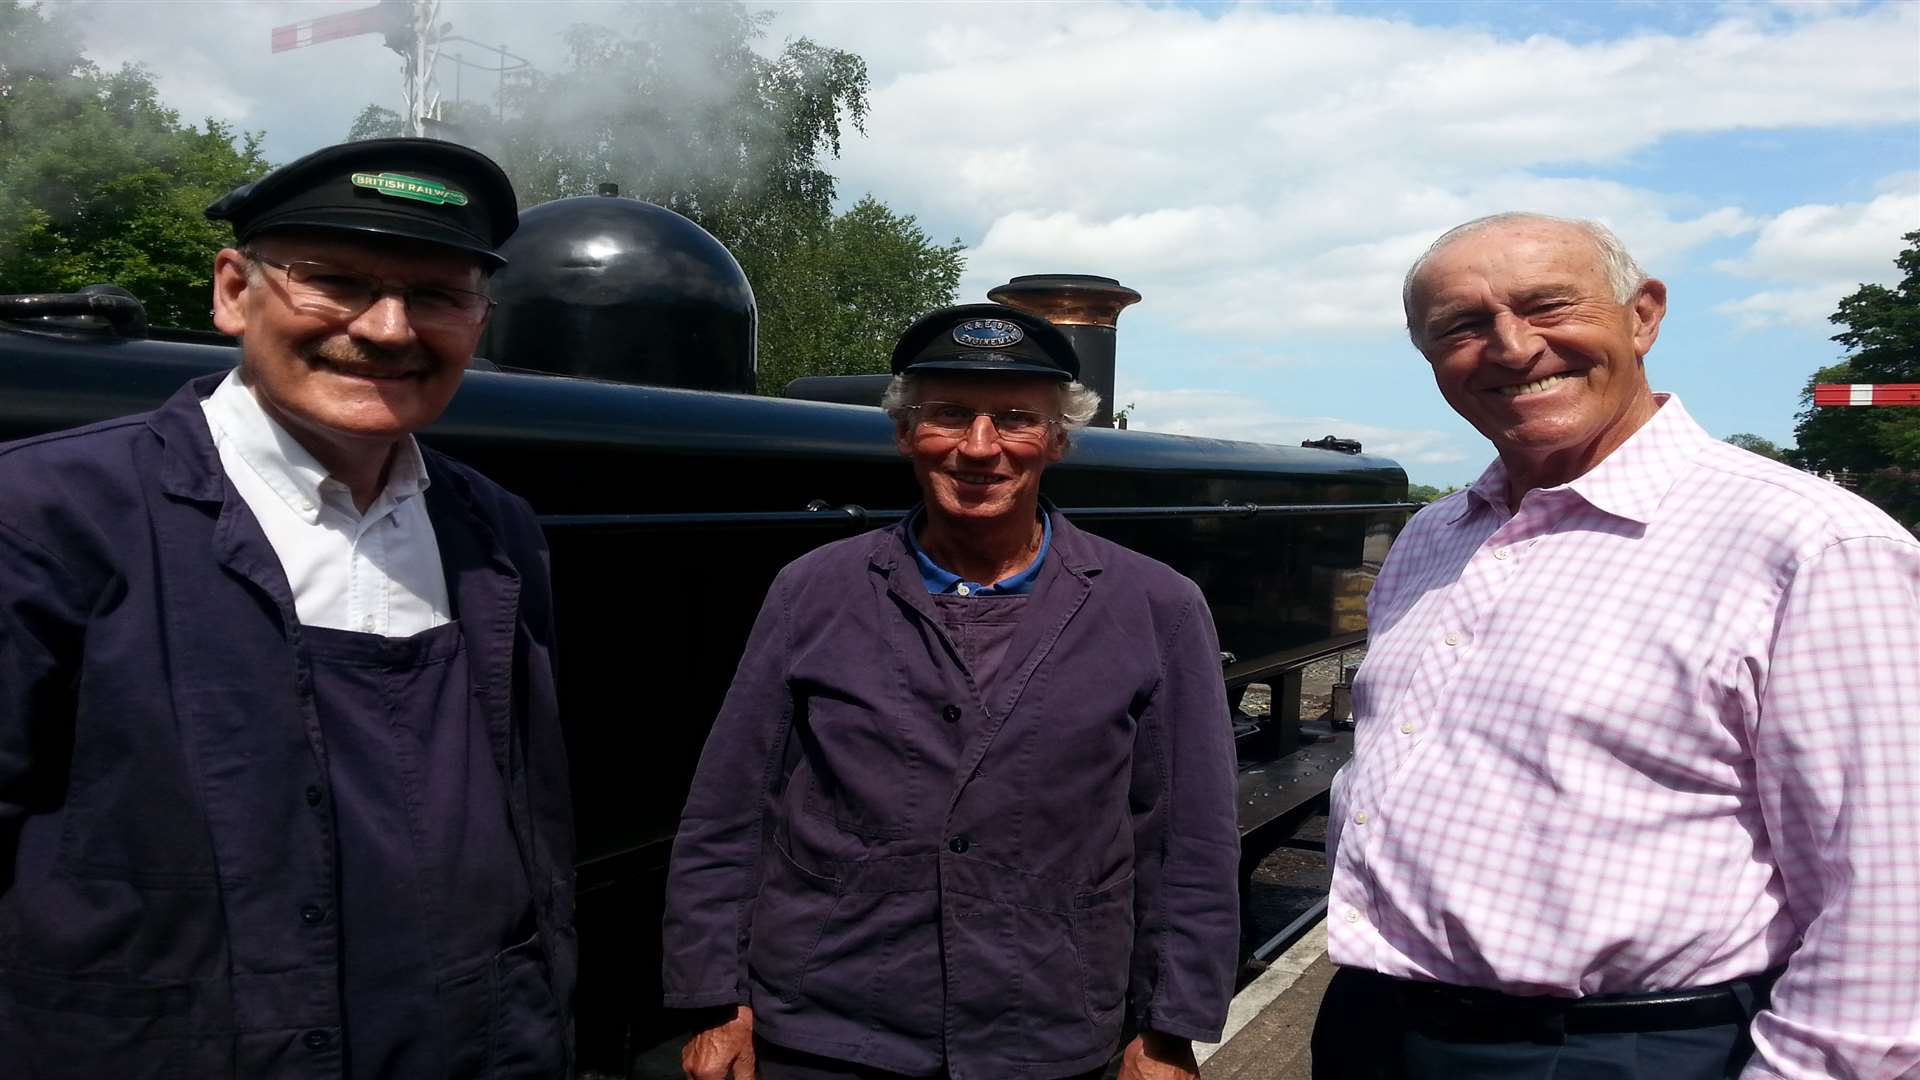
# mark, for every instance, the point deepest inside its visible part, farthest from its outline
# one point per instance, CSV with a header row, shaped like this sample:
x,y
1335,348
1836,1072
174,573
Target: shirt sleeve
x,y
41,627
714,873
1187,842
1837,766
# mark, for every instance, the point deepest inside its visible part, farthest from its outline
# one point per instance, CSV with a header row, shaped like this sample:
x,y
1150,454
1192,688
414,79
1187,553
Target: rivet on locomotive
x,y
617,396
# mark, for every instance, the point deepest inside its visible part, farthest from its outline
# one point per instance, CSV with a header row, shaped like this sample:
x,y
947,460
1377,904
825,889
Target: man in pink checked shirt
x,y
1636,787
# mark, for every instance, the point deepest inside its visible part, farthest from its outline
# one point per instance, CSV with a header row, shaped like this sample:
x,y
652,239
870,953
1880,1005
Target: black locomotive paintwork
x,y
671,506
611,288
670,510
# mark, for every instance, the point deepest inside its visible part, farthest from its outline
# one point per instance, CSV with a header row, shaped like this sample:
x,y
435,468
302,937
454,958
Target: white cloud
x,y
1808,305
1818,253
1218,414
1824,242
1253,170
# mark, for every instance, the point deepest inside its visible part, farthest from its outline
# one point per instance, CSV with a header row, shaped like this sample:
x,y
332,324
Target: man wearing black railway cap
x,y
967,811
282,789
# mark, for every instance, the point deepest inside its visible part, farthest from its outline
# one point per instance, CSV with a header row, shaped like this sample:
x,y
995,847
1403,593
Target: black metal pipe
x,y
1087,309
1291,932
839,389
856,515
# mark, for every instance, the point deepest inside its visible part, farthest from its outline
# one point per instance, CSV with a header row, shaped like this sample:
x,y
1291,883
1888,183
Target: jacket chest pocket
x,y
67,1028
863,768
133,812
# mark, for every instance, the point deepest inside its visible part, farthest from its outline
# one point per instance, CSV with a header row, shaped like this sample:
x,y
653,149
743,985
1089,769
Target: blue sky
x,y
1263,173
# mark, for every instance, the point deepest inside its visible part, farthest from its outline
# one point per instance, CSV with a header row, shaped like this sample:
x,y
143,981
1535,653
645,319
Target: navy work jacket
x,y
892,869
167,857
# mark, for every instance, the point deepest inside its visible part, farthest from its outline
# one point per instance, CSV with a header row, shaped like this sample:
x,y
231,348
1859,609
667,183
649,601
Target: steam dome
x,y
610,288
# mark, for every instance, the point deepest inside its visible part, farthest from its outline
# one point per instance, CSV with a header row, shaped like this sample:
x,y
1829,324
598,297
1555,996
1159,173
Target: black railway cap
x,y
418,189
985,338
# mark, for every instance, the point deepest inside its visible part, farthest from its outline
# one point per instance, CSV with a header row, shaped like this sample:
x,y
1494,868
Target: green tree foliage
x,y
1878,446
1426,493
672,103
1766,448
376,122
99,182
847,293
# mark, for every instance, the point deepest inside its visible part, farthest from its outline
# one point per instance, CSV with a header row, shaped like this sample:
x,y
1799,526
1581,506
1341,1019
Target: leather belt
x,y
1460,1012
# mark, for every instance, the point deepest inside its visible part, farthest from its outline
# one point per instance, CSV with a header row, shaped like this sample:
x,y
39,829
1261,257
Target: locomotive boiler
x,y
617,397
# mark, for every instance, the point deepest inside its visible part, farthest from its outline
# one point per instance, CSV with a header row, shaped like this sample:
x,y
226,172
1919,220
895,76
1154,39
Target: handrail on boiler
x,y
821,513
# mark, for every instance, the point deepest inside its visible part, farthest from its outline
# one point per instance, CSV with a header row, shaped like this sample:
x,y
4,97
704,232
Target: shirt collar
x,y
285,466
939,580
1628,483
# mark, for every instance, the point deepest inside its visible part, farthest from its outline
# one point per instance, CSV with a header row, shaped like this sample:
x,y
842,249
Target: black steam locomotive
x,y
618,399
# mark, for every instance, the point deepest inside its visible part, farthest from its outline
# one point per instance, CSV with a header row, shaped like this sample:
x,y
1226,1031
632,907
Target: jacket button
x,y
317,1039
959,845
951,714
314,795
312,915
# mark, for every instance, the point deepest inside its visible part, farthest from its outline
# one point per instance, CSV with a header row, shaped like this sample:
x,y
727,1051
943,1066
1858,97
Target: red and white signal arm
x,y
1866,394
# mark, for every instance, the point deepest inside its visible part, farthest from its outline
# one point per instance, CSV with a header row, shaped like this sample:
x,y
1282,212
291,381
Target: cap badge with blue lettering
x,y
988,334
985,339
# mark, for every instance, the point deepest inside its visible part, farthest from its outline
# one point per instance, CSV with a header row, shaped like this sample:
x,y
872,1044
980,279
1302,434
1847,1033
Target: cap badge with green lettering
x,y
410,187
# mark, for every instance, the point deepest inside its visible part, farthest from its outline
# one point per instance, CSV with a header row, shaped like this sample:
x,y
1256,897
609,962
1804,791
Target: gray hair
x,y
253,271
1078,402
1624,276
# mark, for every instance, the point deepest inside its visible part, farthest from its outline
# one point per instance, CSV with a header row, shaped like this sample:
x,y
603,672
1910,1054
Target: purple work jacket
x,y
168,864
892,869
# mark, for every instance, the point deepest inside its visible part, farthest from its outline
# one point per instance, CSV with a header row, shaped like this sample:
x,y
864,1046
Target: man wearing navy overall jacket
x,y
282,790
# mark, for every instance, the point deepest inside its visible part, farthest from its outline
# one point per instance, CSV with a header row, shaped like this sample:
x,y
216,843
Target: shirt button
x,y
951,714
963,590
312,915
317,1039
959,845
1360,817
1453,639
314,795
1406,728
1352,916
1501,553
367,624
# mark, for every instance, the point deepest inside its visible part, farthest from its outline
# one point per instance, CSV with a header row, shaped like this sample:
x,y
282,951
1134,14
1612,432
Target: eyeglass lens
x,y
329,290
951,417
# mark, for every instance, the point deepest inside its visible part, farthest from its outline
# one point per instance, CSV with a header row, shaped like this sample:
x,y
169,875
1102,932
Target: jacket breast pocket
x,y
55,1028
133,811
860,772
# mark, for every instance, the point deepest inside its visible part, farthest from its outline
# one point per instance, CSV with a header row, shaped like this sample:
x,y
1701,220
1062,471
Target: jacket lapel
x,y
485,590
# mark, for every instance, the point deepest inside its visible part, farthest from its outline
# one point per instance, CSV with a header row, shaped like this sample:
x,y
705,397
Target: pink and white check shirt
x,y
1660,728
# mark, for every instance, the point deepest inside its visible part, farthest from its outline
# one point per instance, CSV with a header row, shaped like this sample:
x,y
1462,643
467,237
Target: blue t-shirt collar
x,y
940,581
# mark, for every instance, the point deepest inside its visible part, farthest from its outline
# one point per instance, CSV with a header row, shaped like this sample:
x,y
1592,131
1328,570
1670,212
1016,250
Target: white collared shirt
x,y
377,572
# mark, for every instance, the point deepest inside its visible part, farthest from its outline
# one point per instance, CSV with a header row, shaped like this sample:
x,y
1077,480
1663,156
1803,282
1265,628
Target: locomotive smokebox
x,y
1087,309
618,289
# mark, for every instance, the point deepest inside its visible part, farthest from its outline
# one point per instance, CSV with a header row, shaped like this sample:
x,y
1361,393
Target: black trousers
x,y
780,1063
1369,1030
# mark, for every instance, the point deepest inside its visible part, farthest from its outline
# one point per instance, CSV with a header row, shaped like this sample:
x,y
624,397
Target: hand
x,y
725,1046
1153,1056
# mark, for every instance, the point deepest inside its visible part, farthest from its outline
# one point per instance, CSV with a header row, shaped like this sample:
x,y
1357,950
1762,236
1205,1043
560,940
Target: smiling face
x,y
980,476
1528,344
345,386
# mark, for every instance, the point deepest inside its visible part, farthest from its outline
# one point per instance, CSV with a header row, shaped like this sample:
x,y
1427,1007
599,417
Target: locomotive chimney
x,y
1086,308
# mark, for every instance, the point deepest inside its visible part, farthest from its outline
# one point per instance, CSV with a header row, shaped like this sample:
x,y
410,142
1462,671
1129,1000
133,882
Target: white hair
x,y
1624,276
1078,402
